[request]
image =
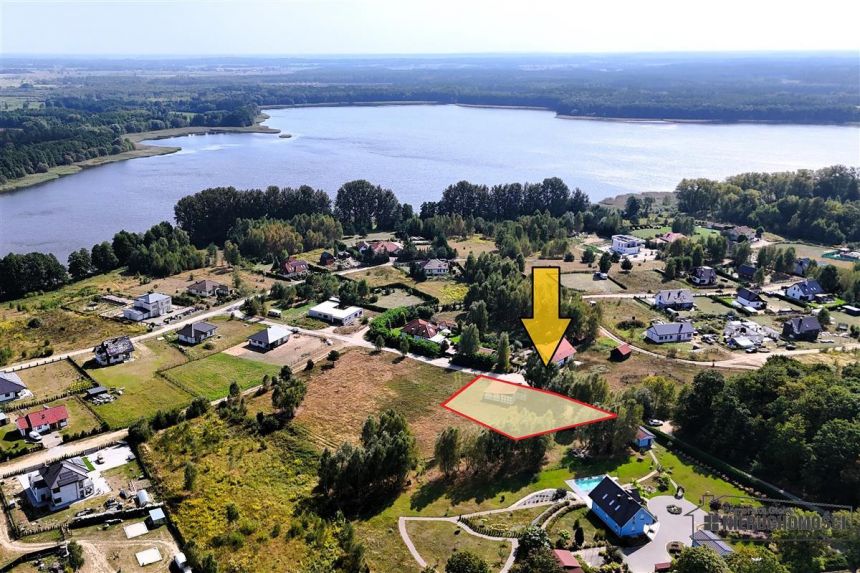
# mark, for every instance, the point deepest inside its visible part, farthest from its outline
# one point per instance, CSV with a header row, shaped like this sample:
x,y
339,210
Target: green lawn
x,y
229,334
211,377
298,316
436,541
80,420
588,521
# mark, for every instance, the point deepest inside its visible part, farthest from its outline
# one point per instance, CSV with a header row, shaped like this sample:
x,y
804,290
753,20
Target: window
x,y
56,490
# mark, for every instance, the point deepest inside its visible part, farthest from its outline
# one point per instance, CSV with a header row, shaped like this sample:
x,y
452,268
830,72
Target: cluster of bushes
x,y
383,327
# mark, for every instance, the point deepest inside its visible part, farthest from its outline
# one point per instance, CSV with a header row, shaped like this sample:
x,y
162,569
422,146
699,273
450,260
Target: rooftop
x,y
332,308
10,382
271,334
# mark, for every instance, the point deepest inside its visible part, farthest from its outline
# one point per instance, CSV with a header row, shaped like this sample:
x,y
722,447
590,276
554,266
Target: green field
x,y
437,540
651,233
81,419
229,334
211,377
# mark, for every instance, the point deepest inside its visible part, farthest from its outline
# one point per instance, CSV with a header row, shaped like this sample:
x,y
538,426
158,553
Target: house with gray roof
x,y
60,484
707,538
196,333
801,328
149,305
620,510
807,290
750,298
114,350
11,386
676,299
703,276
208,288
670,332
270,338
435,267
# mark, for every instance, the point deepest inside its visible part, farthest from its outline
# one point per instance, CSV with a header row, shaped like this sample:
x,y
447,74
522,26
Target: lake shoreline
x,y
140,150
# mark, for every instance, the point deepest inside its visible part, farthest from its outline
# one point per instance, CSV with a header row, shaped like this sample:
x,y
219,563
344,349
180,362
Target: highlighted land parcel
x,y
518,411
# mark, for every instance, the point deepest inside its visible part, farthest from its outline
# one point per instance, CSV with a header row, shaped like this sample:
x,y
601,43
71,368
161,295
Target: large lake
x,y
414,150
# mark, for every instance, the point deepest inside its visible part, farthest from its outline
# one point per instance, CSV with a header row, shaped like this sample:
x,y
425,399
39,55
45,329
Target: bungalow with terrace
x,y
114,351
196,333
626,244
44,420
11,386
805,328
676,299
420,328
270,338
435,267
208,288
60,484
294,267
330,311
669,332
620,510
806,290
703,276
150,305
750,298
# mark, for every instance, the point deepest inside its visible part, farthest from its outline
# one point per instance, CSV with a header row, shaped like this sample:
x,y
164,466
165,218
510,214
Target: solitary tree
x,y
378,343
190,475
404,346
626,265
466,562
76,555
232,512
605,262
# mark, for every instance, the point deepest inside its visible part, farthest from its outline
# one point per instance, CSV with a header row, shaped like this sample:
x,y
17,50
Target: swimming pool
x,y
588,483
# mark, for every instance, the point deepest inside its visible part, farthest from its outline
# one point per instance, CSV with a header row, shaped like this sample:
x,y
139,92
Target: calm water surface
x,y
416,151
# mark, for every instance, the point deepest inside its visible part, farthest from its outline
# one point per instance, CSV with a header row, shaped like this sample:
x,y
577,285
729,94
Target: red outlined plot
x,y
517,411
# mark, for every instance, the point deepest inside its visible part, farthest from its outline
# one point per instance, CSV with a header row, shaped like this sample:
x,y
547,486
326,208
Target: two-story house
x,y
620,510
114,351
150,305
626,244
806,290
703,276
59,484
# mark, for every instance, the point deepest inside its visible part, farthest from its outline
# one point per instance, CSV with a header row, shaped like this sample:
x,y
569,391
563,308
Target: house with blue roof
x,y
620,510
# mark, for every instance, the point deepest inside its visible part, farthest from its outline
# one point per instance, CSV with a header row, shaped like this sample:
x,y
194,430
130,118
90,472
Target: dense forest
x,y
84,113
821,206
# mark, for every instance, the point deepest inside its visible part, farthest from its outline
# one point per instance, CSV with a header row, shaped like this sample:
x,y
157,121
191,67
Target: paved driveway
x,y
672,528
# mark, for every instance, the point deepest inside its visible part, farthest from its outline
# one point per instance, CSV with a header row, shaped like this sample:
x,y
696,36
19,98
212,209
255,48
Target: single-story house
x,y
801,328
626,244
567,561
114,351
670,332
750,298
11,386
847,309
703,276
208,288
740,233
150,305
435,267
802,265
44,420
391,248
707,538
669,238
564,353
331,311
420,328
806,290
60,484
270,338
196,332
644,439
327,259
747,271
505,393
156,518
676,299
619,509
621,352
294,267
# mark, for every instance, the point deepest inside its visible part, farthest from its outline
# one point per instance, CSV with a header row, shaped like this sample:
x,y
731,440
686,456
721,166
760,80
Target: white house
x,y
670,332
44,420
270,338
703,276
806,290
60,484
678,299
435,267
196,333
11,386
150,305
626,244
330,311
750,298
114,350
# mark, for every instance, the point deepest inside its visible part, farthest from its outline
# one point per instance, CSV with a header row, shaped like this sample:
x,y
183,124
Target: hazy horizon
x,y
302,28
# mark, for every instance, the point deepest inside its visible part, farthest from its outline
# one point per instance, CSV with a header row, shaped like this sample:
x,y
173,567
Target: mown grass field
x,y
81,419
436,541
211,377
144,390
445,289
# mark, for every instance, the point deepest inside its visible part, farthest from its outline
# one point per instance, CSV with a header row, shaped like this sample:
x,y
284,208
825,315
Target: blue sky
x,y
418,26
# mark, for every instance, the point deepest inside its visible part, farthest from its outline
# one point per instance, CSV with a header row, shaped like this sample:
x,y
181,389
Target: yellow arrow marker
x,y
545,327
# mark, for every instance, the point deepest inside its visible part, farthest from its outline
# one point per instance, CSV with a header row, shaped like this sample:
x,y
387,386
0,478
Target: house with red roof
x,y
44,420
420,328
567,561
621,352
564,353
294,267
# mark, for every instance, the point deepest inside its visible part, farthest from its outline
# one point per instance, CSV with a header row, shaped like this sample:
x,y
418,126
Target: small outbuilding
x,y
644,439
156,518
621,352
142,498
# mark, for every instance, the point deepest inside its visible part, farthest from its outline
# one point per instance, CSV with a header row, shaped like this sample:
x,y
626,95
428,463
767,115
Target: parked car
x,y
791,347
752,350
35,436
655,422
